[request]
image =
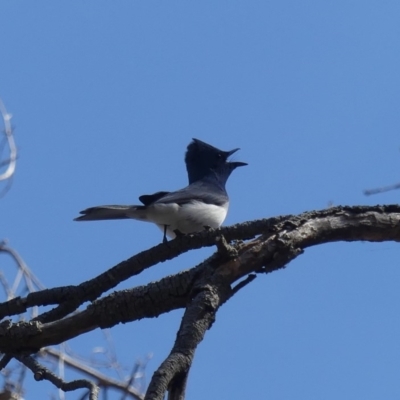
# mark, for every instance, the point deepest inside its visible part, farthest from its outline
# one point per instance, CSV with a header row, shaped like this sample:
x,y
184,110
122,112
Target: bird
x,y
200,205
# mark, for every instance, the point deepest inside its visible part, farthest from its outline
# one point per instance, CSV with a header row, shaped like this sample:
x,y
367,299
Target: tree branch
x,y
12,160
41,373
198,318
71,297
276,247
102,379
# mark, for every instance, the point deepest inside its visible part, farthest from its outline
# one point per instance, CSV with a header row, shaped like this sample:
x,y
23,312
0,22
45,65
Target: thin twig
x,y
61,369
131,380
42,373
6,286
10,141
103,379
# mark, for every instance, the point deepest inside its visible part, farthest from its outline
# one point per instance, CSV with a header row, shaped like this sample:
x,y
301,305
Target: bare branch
x,y
33,282
23,273
42,373
71,297
12,160
277,246
103,380
198,318
200,290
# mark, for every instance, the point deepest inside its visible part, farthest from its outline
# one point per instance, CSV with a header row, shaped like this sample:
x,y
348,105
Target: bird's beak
x,y
236,164
229,153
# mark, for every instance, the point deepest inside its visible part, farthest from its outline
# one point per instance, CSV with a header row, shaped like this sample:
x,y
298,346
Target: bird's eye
x,y
219,155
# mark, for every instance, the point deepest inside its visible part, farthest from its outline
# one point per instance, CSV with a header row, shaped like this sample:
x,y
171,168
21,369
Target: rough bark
x,y
270,245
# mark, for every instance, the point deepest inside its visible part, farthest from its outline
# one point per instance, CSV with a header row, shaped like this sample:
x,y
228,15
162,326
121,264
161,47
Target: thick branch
x,y
71,297
273,250
198,318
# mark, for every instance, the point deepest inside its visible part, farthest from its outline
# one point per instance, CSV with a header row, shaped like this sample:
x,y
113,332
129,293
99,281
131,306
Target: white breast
x,y
188,218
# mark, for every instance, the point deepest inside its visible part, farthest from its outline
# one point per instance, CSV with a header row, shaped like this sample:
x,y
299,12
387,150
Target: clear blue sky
x,y
107,95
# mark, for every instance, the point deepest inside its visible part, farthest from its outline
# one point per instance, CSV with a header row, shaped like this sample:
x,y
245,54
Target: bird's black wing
x,y
148,199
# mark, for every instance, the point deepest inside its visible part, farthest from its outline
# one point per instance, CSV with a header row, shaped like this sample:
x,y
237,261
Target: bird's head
x,y
201,158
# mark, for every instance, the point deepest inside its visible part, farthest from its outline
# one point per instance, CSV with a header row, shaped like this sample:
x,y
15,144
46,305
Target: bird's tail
x,y
107,212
